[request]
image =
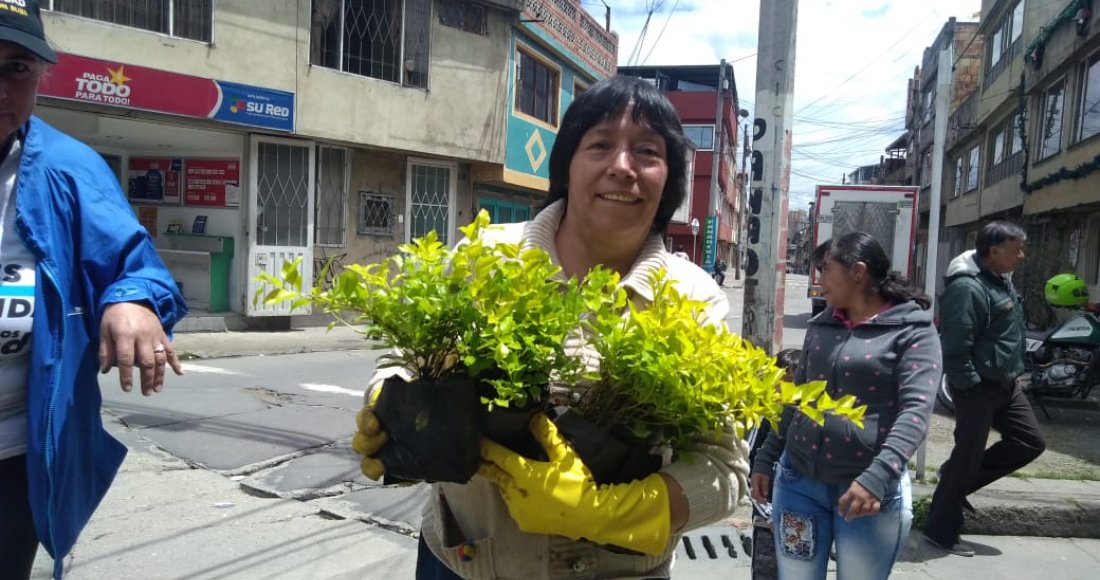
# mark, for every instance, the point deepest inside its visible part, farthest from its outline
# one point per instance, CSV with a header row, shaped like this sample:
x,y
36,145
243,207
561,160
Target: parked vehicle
x,y
1062,361
887,213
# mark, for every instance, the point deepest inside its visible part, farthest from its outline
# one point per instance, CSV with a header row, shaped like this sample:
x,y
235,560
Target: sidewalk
x,y
204,345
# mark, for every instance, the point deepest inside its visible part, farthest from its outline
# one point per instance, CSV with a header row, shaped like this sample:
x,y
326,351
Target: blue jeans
x,y
807,523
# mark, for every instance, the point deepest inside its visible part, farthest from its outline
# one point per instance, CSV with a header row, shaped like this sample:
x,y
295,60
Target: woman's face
x,y
841,285
616,177
19,74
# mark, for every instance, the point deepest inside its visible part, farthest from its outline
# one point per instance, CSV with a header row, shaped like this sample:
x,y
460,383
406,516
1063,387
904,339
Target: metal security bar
x,y
192,19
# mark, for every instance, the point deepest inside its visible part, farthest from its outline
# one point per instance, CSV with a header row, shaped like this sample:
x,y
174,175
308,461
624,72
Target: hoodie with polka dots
x,y
892,364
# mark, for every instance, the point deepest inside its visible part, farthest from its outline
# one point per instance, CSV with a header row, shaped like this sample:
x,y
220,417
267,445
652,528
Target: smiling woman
x,y
617,174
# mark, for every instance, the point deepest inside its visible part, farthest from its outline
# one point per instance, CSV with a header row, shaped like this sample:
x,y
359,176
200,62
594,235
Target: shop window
x,y
465,16
1050,121
536,88
332,194
375,214
381,39
702,136
193,19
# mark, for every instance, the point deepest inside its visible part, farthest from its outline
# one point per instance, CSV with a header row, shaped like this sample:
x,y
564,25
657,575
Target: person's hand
x,y
760,486
858,502
560,497
369,439
130,334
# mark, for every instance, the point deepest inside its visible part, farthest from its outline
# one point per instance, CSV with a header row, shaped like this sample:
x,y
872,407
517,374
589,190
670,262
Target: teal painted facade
x,y
521,128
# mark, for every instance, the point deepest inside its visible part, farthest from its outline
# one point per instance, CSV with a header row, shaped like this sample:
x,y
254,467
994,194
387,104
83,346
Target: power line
x,y
661,33
865,67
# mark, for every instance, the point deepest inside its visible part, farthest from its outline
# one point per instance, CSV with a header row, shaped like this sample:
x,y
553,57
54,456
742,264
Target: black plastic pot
x,y
511,427
608,457
431,429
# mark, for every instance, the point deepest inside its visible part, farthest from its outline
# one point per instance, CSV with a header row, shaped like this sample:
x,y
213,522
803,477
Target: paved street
x,y
796,308
241,469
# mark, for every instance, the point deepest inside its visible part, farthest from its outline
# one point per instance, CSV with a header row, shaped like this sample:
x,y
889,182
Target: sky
x,y
853,60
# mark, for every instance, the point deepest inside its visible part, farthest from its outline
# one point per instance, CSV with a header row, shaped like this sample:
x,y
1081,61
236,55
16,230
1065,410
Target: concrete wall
x,y
267,44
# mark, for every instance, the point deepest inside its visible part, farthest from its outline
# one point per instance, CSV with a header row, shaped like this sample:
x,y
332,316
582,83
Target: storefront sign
x,y
212,182
710,243
90,80
154,180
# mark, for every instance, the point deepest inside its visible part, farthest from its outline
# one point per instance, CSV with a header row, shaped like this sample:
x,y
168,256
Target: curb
x,y
1023,512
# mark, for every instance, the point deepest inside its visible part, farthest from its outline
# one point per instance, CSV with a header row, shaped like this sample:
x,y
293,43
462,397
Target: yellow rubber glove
x,y
369,438
560,497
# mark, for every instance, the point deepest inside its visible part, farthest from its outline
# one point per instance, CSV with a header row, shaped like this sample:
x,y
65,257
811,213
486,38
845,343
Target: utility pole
x,y
766,234
944,74
714,213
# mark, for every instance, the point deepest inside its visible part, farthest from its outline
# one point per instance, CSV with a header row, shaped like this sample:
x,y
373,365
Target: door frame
x,y
259,257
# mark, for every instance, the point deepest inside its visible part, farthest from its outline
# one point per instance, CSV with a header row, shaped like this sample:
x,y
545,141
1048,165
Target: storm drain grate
x,y
711,552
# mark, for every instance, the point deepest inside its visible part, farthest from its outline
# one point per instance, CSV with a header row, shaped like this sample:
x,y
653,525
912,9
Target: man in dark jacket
x,y
982,334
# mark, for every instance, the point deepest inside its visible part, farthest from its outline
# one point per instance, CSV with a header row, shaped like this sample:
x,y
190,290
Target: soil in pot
x,y
432,429
608,457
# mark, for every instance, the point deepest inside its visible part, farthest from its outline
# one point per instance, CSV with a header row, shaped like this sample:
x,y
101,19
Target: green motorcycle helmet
x,y
1067,290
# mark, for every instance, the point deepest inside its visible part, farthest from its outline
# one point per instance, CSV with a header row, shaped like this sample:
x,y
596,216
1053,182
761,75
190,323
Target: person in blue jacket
x,y
81,289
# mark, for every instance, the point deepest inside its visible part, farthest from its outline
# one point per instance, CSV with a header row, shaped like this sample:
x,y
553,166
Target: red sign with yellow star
x,y
133,87
110,83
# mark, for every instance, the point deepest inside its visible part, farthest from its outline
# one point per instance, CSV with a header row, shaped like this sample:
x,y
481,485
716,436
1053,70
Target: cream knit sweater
x,y
712,473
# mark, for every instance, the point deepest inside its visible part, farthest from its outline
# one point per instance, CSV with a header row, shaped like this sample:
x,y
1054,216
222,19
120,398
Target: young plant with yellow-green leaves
x,y
666,377
492,311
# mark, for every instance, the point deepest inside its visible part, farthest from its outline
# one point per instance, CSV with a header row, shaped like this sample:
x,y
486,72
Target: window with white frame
x,y
997,144
1088,123
382,39
702,136
332,197
972,166
536,88
1003,44
959,176
192,19
1050,120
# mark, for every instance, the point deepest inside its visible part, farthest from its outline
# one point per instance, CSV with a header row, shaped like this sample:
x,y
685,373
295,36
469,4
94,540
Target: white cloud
x,y
852,64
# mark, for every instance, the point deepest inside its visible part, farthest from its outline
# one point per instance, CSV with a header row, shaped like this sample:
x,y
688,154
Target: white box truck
x,y
889,213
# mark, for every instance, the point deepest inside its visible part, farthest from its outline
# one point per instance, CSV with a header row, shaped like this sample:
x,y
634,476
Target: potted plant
x,y
666,380
477,330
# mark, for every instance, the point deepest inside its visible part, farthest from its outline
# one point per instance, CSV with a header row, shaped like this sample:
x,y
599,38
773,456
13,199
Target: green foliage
x,y
665,376
488,310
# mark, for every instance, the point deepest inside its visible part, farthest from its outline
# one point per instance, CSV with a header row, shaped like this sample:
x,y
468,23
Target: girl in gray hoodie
x,y
838,482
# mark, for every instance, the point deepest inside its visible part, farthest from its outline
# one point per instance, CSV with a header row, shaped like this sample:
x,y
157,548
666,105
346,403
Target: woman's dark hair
x,y
787,359
607,100
995,234
855,247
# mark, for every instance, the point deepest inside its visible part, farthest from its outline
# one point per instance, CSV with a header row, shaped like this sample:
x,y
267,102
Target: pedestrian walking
x,y
91,291
763,526
983,352
838,482
617,175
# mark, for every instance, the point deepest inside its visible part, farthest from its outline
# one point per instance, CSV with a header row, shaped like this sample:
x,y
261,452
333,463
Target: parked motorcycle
x,y
1060,362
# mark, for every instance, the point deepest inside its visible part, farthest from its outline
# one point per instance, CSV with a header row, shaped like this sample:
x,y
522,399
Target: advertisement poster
x,y
117,84
213,182
147,216
154,180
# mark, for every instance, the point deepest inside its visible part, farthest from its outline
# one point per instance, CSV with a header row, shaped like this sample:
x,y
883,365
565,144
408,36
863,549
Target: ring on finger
x,y
159,348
